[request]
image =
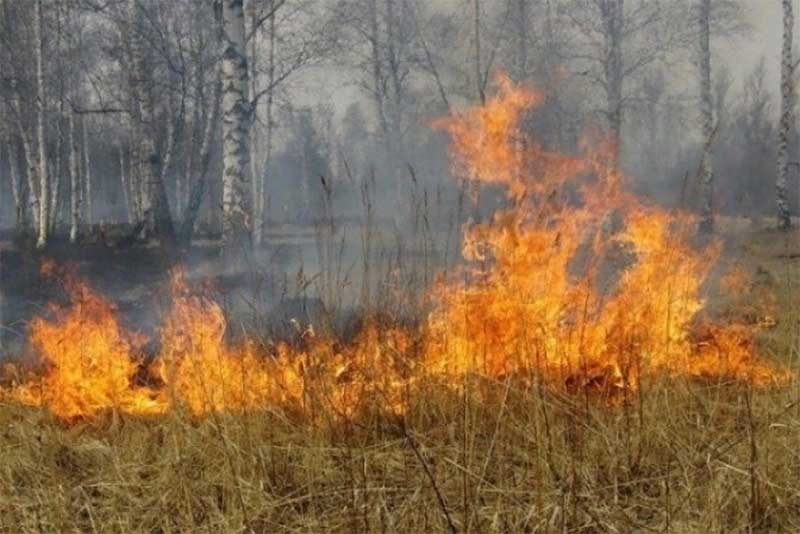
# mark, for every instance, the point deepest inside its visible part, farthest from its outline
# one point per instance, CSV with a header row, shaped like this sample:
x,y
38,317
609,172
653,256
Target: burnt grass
x,y
135,276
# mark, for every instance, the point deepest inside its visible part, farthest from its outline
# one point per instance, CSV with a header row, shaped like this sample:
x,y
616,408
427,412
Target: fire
x,y
203,373
595,291
92,363
90,359
577,281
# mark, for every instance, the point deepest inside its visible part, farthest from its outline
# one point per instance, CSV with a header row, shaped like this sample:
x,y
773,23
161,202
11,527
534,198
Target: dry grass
x,y
681,457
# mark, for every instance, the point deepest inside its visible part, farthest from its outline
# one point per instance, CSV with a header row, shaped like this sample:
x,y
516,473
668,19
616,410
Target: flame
x,y
591,291
90,359
577,281
202,373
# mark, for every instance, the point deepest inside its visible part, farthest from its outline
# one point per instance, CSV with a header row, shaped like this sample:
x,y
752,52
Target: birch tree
x,y
44,181
707,114
204,128
615,41
787,118
156,219
86,191
522,38
75,180
235,124
480,80
16,193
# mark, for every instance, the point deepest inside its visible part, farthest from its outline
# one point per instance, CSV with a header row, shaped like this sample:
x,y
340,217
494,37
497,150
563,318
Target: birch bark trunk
x,y
257,184
75,181
613,13
123,178
521,59
707,112
198,188
270,101
86,192
56,177
787,118
13,169
476,5
15,192
44,182
154,203
31,174
236,213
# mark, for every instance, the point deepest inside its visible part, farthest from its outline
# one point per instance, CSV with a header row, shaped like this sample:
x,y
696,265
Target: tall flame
x,y
91,360
579,279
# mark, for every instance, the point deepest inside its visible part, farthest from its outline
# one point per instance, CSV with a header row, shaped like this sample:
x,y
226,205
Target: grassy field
x,y
483,455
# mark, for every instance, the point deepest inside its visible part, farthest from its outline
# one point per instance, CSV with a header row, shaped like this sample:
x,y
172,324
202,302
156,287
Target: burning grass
x,y
577,281
570,376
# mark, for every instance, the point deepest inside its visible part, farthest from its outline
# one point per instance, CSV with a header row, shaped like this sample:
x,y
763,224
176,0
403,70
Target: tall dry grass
x,y
493,457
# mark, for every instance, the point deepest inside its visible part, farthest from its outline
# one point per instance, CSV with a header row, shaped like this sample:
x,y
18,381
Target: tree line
x,y
180,114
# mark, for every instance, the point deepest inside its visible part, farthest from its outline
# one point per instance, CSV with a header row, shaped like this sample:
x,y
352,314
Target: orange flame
x,y
91,360
591,291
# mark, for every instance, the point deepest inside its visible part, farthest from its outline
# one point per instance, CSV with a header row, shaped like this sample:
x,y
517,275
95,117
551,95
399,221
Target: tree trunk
x,y
13,169
521,59
155,206
787,118
86,192
270,101
56,177
613,19
124,184
198,188
44,182
75,181
235,126
175,128
377,67
706,107
477,36
31,173
258,178
431,63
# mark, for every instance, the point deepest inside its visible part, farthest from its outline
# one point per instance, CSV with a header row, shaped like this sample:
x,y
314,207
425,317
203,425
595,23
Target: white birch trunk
x,y
787,118
44,182
613,19
75,182
174,131
257,177
31,173
13,169
123,179
144,147
521,59
273,36
235,125
707,112
198,188
476,5
56,178
155,206
87,176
